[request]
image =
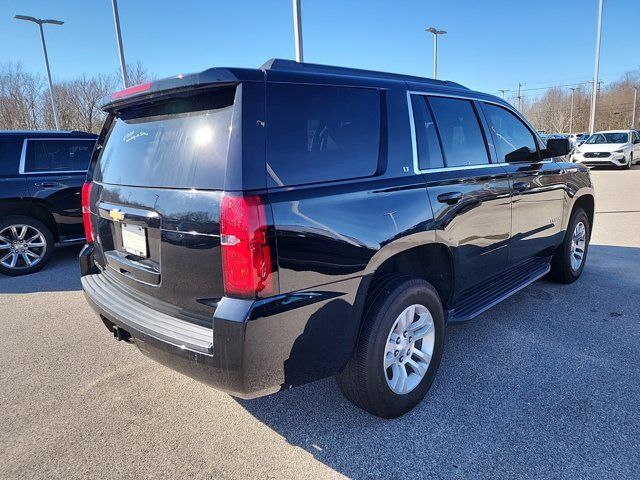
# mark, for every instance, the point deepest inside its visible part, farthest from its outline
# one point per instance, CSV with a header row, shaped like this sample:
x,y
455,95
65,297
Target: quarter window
x,y
321,133
58,155
512,136
10,149
429,151
460,133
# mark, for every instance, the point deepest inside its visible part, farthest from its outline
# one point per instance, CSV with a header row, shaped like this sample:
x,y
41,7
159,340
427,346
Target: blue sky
x,y
491,44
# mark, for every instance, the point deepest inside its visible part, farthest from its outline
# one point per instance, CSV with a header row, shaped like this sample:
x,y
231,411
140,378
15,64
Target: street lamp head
x,y
435,31
39,21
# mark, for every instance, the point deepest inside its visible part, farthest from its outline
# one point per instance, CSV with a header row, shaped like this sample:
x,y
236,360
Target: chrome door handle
x,y
47,184
450,198
520,186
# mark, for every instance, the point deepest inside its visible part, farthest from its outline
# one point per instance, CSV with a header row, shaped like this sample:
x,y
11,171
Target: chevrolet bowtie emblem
x,y
116,215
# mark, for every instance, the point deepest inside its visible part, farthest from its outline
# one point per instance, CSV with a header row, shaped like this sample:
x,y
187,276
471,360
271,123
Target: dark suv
x,y
41,174
260,229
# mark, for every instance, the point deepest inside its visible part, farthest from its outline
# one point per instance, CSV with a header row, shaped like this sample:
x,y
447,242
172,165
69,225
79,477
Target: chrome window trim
x,y
23,157
414,139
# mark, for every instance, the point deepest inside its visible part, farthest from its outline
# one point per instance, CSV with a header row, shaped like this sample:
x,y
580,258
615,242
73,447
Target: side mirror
x,y
637,140
521,155
556,147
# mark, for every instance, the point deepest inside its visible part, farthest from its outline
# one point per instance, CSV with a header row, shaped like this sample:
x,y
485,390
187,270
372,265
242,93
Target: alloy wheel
x,y
578,244
21,246
409,349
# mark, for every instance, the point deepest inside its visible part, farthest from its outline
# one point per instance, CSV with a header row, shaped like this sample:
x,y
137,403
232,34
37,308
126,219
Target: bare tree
x,y
25,104
20,98
551,111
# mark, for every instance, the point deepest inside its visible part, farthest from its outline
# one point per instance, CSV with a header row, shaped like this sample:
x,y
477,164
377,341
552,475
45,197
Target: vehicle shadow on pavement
x,y
61,274
546,378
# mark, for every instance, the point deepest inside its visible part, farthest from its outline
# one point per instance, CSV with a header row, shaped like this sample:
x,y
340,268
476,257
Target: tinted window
x,y
510,133
58,155
186,150
460,132
319,133
429,153
10,149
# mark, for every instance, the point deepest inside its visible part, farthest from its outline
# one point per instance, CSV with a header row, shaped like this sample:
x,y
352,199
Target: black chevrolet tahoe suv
x,y
258,229
41,174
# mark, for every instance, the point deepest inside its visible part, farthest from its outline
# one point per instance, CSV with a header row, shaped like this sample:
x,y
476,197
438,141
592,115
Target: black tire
x,y
561,269
45,252
627,166
363,381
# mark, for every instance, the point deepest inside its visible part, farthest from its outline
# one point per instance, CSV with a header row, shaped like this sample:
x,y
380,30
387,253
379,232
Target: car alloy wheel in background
x,y
21,246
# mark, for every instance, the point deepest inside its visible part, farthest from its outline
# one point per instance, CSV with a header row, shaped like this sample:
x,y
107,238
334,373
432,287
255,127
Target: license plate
x,y
134,239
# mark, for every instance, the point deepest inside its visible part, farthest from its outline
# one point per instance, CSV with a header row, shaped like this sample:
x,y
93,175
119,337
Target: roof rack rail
x,y
279,64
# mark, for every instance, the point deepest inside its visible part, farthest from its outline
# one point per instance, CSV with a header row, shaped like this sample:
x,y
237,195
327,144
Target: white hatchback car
x,y
619,148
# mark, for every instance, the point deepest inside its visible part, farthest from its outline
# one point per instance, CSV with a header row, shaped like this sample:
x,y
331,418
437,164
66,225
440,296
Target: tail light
x,y
86,211
246,253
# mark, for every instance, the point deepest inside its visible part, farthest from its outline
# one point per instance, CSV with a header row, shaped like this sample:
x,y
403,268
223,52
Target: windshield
x,y
611,137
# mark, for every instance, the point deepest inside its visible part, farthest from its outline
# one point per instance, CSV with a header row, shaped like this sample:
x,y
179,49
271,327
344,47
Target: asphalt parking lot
x,y
545,385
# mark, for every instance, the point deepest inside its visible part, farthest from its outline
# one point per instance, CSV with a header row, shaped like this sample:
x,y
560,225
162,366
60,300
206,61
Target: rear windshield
x,y
182,150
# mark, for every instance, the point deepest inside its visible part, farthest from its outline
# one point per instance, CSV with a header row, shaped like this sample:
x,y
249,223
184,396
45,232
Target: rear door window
x,y
52,155
462,139
321,133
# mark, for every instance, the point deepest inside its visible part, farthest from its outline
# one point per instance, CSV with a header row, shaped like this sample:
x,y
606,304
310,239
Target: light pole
x,y
633,115
520,97
435,32
123,65
573,91
297,30
40,22
594,93
502,91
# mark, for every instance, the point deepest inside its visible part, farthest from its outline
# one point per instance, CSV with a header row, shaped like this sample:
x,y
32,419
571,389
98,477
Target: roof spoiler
x,y
167,86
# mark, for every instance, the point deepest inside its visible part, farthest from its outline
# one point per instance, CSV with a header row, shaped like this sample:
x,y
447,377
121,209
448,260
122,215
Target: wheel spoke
x,y
419,368
35,237
23,232
399,378
14,260
34,255
407,318
14,232
389,360
6,256
422,319
26,259
422,355
35,245
5,239
5,247
392,342
423,332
